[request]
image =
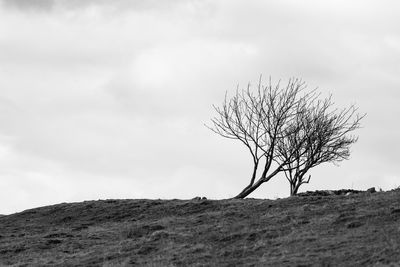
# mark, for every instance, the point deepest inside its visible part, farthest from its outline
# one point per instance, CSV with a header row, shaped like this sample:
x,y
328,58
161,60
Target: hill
x,y
319,229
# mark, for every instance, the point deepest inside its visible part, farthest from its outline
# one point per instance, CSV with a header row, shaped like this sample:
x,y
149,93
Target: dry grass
x,y
356,230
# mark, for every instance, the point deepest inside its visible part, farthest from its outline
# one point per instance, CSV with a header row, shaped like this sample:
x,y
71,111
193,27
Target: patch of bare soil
x,y
361,229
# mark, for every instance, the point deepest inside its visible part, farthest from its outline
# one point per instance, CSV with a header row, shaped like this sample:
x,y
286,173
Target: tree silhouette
x,y
285,129
319,134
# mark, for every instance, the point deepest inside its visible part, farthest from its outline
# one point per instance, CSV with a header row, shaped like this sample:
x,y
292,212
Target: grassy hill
x,y
348,230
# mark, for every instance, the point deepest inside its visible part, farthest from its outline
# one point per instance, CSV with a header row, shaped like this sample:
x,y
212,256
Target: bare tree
x,y
319,134
258,120
285,129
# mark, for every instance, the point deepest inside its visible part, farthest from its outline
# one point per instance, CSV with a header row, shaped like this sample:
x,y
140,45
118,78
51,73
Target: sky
x,y
108,99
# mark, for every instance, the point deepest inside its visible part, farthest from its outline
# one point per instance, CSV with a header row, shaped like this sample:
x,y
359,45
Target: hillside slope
x,y
356,230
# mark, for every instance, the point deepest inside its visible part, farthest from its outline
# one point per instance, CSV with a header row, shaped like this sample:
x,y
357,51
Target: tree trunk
x,y
249,189
292,189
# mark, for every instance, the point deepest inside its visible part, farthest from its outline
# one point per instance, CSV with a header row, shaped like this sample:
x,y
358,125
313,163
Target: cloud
x,y
119,90
29,5
104,6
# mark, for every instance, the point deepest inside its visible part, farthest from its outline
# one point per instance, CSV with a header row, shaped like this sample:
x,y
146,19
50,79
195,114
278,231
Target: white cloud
x,y
108,98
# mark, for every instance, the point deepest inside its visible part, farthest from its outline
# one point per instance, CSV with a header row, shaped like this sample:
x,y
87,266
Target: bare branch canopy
x,y
285,129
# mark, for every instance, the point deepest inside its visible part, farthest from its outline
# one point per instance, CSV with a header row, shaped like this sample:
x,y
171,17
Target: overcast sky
x,y
107,99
